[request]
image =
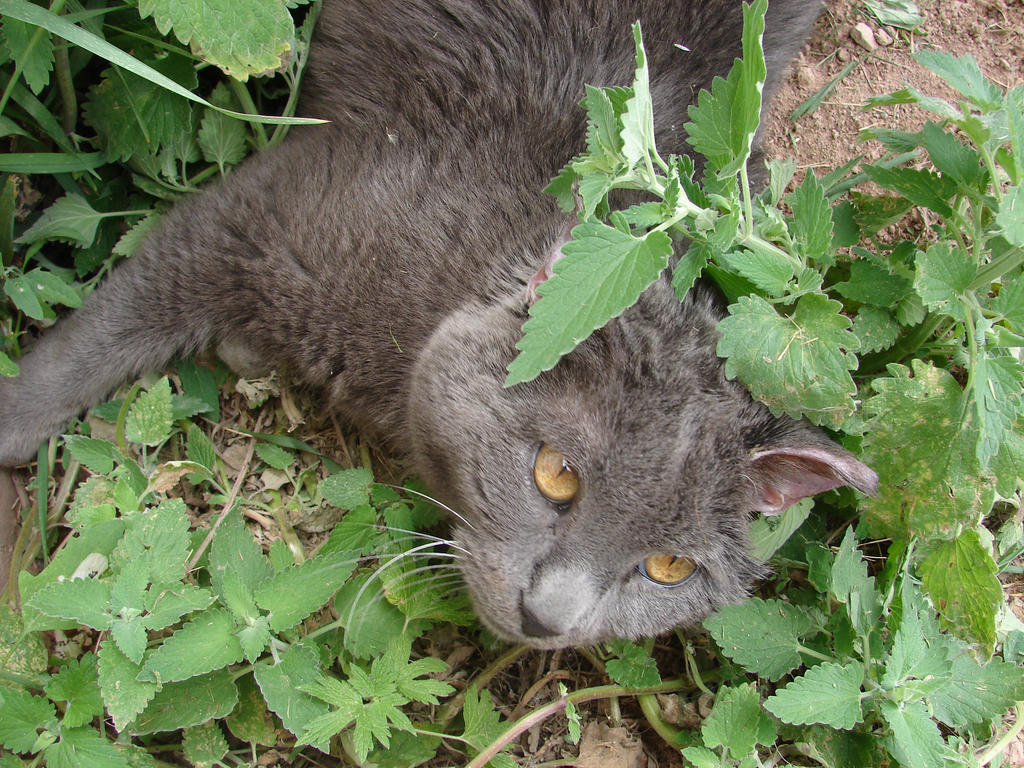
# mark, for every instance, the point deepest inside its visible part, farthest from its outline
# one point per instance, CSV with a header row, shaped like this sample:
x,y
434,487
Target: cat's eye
x,y
554,476
667,570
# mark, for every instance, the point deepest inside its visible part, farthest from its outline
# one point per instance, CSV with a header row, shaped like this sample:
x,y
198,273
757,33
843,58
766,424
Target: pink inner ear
x,y
783,476
542,274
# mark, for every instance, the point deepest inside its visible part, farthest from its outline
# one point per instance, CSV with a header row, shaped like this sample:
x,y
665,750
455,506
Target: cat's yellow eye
x,y
667,570
554,476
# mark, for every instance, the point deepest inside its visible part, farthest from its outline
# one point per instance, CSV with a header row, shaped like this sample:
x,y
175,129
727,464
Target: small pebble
x,y
863,36
843,55
883,38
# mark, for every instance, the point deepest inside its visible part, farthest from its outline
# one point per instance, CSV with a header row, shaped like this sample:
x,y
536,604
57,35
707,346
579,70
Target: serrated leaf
x,y
165,605
1010,303
769,532
737,721
221,139
22,716
97,455
84,746
951,157
964,74
919,186
876,328
251,37
944,272
70,218
149,417
827,693
975,693
157,537
188,703
724,120
634,667
915,739
922,442
768,271
347,489
872,284
275,456
234,550
85,601
282,686
204,644
1010,217
131,240
603,271
811,227
372,623
254,638
31,48
134,116
799,364
294,593
204,745
251,721
7,366
896,13
960,577
762,636
638,117
482,721
123,694
997,382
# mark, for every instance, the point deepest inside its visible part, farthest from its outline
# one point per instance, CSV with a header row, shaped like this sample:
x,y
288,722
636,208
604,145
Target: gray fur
x,y
383,258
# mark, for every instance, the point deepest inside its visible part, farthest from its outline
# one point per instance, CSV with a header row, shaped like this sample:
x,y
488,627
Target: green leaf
x,y
84,746
97,455
124,695
159,538
896,13
204,644
282,686
689,267
199,448
876,328
1010,303
944,273
347,489
483,723
634,667
811,227
149,417
799,364
1010,217
872,284
851,585
69,219
22,716
768,271
724,121
32,52
922,442
247,37
85,601
737,721
233,550
921,187
204,745
960,577
372,623
136,235
221,139
975,693
167,605
188,703
638,117
951,157
294,593
251,721
7,366
603,271
769,532
827,693
997,382
915,739
963,74
275,456
762,636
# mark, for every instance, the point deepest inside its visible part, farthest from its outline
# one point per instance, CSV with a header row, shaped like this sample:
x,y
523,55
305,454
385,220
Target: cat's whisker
x,y
432,500
444,577
377,575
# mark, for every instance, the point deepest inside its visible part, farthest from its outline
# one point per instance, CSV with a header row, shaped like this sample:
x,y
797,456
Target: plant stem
x,y
649,705
249,107
998,267
577,697
997,749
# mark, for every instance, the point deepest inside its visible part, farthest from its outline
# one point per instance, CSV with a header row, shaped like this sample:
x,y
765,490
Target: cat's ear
x,y
554,253
784,475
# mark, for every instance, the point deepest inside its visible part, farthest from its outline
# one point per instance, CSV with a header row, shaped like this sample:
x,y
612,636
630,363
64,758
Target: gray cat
x,y
383,258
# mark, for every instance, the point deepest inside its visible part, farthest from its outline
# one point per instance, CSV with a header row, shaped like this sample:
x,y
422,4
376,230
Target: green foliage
x,y
909,350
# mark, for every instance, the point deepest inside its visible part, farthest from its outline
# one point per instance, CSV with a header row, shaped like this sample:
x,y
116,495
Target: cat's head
x,y
611,495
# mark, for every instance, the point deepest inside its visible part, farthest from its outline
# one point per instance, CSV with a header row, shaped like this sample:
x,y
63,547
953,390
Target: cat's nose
x,y
533,626
557,602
